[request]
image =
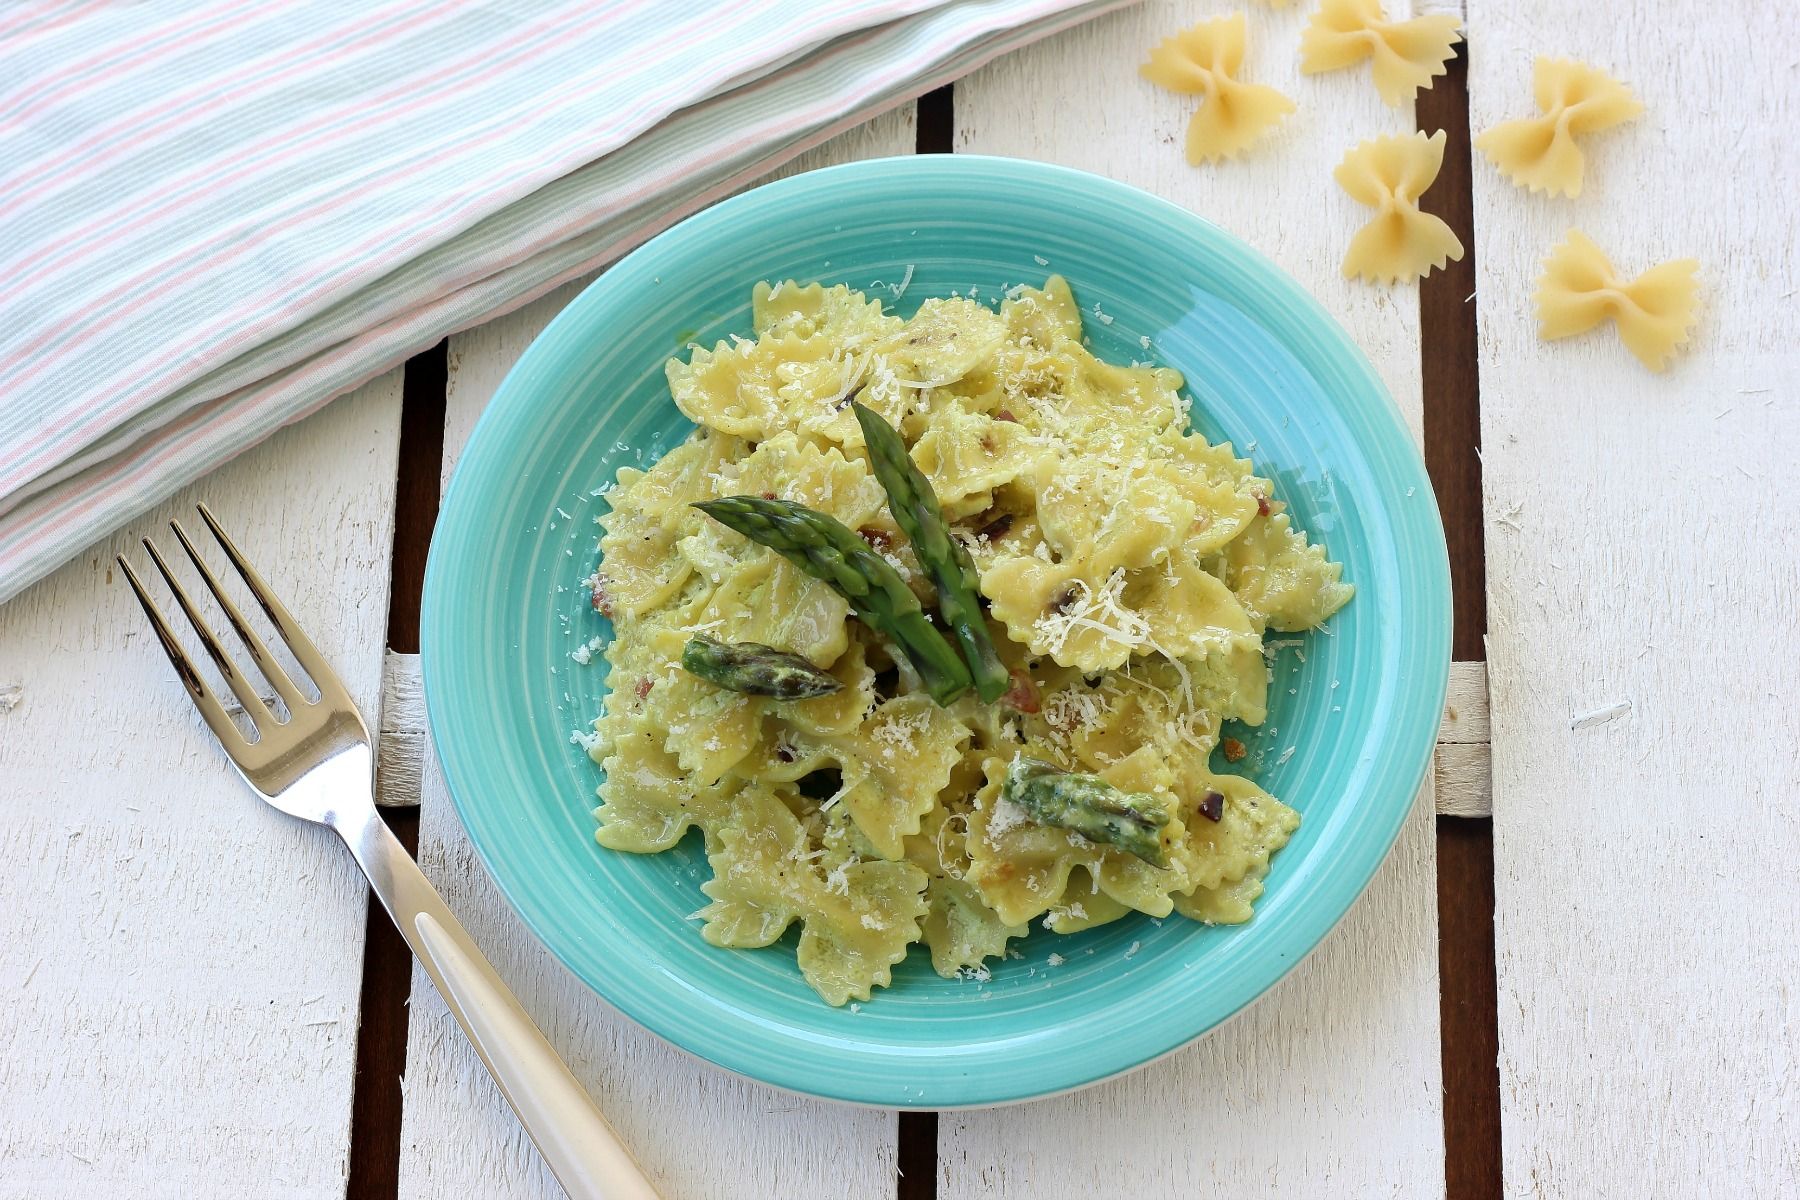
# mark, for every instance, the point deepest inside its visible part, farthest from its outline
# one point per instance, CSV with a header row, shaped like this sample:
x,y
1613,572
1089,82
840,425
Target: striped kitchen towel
x,y
217,215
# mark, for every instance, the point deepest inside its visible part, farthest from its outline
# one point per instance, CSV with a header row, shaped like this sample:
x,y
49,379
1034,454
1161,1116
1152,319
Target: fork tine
x,y
305,653
254,708
259,653
198,691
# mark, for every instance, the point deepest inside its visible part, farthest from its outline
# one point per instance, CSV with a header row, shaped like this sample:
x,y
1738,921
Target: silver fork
x,y
316,765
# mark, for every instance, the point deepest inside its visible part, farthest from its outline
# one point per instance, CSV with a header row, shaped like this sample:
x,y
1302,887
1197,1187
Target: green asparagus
x,y
822,547
756,669
1088,805
915,509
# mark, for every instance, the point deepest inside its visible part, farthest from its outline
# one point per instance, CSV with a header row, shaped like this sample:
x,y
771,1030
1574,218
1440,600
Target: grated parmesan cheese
x,y
838,878
900,732
895,562
1005,817
1102,611
843,790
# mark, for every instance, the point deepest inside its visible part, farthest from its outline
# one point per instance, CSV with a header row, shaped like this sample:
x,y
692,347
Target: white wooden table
x,y
182,970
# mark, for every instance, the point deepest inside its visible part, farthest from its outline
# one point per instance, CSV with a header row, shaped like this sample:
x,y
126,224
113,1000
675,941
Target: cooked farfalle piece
x,y
857,915
960,929
1405,55
894,765
1389,174
1283,582
1654,312
812,310
1204,61
649,516
1097,621
968,454
1022,868
1540,152
747,389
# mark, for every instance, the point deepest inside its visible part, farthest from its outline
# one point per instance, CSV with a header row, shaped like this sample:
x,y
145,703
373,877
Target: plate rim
x,y
1430,580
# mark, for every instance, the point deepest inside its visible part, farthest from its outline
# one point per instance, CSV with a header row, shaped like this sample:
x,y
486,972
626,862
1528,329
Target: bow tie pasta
x,y
1541,153
1204,61
1405,55
1128,569
1654,313
1389,174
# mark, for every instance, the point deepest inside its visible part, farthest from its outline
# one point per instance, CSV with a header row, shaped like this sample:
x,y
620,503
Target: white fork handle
x,y
582,1150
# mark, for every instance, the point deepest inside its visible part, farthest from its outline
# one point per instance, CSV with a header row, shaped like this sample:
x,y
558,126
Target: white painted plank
x,y
1331,1085
1464,783
1462,752
1466,705
400,745
179,963
700,1132
1644,549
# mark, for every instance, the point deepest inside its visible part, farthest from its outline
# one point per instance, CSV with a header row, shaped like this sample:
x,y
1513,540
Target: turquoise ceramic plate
x,y
1350,727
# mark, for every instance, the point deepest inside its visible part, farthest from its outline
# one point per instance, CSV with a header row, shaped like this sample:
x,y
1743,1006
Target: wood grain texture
x,y
179,963
1331,1084
1464,782
401,746
1640,530
1464,785
1465,720
700,1132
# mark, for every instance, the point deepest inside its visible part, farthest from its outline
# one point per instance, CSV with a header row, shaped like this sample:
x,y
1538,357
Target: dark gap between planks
x,y
387,960
1467,1004
916,1155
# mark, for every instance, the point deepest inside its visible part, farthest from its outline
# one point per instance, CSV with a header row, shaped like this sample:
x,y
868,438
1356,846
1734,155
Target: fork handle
x,y
582,1149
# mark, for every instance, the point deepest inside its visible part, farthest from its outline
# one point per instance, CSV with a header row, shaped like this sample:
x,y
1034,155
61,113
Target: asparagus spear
x,y
1088,805
915,509
756,669
822,547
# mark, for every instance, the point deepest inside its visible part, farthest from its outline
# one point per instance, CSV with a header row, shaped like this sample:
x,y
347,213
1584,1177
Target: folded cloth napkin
x,y
216,216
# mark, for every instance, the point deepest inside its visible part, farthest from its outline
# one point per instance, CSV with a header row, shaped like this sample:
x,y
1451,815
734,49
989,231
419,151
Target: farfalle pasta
x,y
1204,61
1389,174
1129,568
1654,312
1404,55
1541,153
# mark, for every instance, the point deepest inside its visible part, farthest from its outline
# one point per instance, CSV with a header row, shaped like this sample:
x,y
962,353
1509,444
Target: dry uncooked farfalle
x,y
1204,61
1654,312
1405,55
1389,174
1540,152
